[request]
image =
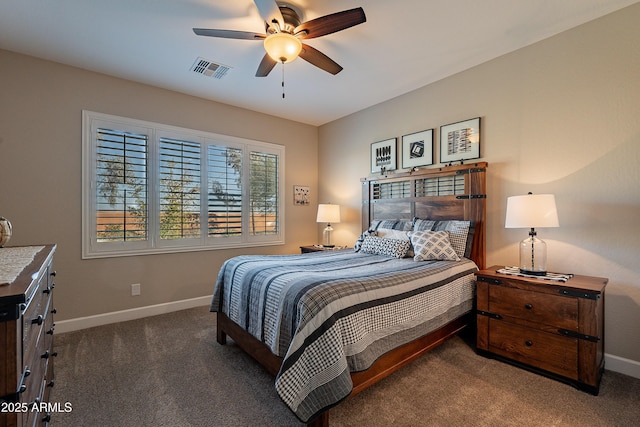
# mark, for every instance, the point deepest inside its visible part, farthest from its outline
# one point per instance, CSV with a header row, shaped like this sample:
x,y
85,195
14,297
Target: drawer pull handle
x,y
51,383
53,273
22,387
528,343
46,418
45,355
528,306
37,320
54,311
46,291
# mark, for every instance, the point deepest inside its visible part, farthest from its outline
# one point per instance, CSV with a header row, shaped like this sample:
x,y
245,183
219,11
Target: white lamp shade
x,y
282,47
531,211
328,213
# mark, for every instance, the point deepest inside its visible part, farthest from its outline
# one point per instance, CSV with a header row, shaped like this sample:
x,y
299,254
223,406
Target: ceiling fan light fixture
x,y
282,47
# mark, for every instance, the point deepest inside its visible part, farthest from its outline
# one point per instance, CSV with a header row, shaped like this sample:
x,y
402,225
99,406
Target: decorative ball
x,y
5,231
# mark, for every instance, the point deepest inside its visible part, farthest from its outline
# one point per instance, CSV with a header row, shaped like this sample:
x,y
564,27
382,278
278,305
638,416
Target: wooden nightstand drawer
x,y
556,311
553,353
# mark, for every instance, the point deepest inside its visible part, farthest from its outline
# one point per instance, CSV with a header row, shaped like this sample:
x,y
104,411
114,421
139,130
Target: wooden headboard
x,y
450,192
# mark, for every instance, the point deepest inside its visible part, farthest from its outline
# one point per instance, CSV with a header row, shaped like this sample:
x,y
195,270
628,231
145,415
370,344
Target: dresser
x,y
550,327
26,335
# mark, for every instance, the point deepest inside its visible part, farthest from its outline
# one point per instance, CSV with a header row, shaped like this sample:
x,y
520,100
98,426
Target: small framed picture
x,y
383,155
417,149
300,195
460,141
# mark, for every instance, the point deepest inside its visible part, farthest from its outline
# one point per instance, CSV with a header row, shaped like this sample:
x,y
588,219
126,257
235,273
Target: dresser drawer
x,y
553,353
553,310
35,314
36,367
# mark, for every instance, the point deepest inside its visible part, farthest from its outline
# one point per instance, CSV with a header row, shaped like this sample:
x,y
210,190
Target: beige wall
x,y
561,116
40,179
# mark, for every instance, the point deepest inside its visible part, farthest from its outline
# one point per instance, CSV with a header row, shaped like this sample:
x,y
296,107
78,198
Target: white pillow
x,y
432,245
388,233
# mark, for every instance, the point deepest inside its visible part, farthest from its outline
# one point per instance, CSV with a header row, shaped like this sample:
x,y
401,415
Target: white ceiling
x,y
404,45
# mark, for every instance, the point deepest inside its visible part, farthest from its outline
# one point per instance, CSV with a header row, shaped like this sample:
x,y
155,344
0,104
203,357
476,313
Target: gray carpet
x,y
168,370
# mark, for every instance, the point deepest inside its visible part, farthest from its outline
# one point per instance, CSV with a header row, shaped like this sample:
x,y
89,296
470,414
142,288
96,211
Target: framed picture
x,y
460,141
383,155
417,149
300,195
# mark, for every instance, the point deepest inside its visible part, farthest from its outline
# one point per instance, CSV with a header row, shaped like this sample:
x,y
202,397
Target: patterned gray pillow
x,y
432,245
389,247
458,234
358,245
423,224
461,232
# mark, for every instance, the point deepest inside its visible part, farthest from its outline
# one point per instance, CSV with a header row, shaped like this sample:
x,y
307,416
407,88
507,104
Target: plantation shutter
x,y
263,194
121,184
224,183
179,189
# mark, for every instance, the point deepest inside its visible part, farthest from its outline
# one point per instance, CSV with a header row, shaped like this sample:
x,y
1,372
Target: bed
x,y
329,324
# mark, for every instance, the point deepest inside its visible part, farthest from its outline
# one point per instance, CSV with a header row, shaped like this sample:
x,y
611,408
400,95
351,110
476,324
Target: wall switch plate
x,y
135,289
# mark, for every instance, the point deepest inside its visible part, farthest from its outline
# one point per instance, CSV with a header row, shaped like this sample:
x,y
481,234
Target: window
x,y
151,188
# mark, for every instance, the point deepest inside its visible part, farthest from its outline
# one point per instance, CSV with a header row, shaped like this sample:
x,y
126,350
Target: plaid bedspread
x,y
335,312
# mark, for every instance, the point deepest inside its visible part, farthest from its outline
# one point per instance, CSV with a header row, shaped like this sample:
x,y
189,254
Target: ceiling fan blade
x,y
331,23
229,34
265,67
319,59
270,12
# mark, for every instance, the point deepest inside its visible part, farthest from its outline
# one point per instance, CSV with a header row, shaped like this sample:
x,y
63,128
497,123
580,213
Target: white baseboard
x,y
622,365
131,314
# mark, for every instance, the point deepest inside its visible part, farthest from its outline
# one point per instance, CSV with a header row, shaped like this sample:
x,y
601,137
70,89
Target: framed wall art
x,y
383,155
301,195
460,141
417,149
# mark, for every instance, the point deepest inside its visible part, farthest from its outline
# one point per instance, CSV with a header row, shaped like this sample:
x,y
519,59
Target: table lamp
x,y
531,211
328,213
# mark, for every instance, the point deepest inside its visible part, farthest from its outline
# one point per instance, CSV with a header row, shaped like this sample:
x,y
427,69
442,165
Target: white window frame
x,y
91,248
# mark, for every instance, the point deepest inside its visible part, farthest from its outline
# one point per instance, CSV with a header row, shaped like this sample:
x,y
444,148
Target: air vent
x,y
209,68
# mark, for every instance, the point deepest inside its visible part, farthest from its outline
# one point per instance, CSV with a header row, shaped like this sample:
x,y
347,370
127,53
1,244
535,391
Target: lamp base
x,y
533,256
533,273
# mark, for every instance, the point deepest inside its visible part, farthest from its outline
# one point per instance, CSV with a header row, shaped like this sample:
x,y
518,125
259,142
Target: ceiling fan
x,y
284,32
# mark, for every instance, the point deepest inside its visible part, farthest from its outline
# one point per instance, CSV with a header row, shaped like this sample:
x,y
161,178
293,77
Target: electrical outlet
x,y
135,289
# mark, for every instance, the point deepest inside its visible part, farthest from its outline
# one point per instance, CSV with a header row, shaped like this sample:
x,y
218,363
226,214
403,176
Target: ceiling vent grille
x,y
209,68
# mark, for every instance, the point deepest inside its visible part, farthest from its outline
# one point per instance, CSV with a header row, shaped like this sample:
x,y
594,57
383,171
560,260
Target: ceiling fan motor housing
x,y
291,20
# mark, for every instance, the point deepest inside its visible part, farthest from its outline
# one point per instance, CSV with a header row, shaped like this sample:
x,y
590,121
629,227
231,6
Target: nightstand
x,y
550,327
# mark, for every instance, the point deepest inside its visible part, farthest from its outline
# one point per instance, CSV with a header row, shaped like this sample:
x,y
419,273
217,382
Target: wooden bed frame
x,y
451,192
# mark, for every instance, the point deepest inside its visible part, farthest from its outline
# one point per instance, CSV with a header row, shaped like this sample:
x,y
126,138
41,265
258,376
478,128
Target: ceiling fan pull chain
x,y
282,79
